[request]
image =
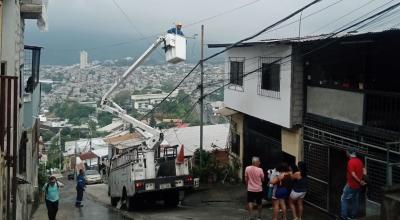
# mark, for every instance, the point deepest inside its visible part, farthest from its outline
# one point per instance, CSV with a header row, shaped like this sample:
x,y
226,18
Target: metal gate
x,y
322,134
8,140
316,157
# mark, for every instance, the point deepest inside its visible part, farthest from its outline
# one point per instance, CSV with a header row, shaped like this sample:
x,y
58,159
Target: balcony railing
x,y
31,68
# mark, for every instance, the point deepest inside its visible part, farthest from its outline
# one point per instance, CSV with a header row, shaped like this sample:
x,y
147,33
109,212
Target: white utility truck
x,y
146,172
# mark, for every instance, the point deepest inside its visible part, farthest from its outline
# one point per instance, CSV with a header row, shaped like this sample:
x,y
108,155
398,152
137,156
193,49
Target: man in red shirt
x,y
355,180
254,177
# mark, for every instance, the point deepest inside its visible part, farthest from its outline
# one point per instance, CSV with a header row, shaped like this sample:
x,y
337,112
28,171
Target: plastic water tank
x,y
175,48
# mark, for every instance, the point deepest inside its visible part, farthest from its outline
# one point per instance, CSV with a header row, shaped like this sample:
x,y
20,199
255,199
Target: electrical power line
x,y
222,13
319,47
345,15
233,45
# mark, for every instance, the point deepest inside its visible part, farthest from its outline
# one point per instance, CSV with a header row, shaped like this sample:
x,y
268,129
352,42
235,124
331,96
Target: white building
x,y
265,100
83,59
147,101
19,82
215,137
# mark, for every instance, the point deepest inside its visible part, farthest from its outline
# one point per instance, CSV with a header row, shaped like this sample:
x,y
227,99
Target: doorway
x,y
337,178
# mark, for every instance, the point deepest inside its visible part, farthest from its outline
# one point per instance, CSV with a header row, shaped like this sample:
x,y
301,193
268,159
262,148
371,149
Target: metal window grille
x,y
31,68
236,71
382,110
269,77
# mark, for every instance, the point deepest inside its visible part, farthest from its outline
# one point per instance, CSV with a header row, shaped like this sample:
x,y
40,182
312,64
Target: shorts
x,y
281,193
297,195
255,197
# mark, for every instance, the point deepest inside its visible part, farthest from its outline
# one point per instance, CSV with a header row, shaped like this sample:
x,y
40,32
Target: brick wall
x,y
297,96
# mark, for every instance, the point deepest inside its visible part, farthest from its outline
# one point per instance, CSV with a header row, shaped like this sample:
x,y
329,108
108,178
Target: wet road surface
x,y
67,210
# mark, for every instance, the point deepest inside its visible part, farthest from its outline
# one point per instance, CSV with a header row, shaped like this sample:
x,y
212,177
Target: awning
x,y
225,111
102,152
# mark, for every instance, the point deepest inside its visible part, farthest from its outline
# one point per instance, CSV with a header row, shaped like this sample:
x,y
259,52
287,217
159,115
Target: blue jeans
x,y
348,195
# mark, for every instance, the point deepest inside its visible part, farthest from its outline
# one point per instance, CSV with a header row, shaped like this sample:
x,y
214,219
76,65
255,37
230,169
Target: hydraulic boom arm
x,y
152,135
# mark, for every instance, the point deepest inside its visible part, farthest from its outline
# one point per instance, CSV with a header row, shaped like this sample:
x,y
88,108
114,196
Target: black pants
x,y
52,209
79,196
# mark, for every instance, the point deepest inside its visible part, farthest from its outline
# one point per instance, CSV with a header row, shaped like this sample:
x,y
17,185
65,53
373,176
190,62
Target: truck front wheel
x,y
114,201
171,198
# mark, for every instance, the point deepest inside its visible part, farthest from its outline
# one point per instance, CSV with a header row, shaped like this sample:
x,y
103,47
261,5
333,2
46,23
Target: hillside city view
x,y
214,110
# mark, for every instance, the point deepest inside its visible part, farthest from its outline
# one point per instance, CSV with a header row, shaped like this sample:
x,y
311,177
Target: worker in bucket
x,y
176,30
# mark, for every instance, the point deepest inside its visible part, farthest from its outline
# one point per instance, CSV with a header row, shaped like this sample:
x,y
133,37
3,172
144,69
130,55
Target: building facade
x,y
264,100
19,107
343,95
83,59
145,102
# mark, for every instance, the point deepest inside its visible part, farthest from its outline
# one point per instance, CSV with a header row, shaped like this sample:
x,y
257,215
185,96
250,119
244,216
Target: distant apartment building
x,y
288,104
83,59
19,108
146,102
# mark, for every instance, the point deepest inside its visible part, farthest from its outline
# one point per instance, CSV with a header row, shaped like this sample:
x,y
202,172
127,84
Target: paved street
x,y
67,210
216,203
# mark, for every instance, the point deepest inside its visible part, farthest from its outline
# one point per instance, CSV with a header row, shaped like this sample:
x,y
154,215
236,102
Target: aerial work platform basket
x,y
175,48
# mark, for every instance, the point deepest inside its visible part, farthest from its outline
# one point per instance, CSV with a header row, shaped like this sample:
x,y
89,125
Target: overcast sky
x,y
96,24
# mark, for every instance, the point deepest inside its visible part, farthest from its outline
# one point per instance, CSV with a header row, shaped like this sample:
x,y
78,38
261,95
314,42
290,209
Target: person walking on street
x,y
80,188
52,195
254,177
351,191
299,190
284,184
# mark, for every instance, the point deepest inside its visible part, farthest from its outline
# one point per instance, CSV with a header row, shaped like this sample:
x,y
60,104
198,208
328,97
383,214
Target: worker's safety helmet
x,y
178,23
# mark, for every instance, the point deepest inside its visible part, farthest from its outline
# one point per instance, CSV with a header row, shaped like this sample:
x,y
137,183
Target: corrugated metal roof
x,y
122,138
310,38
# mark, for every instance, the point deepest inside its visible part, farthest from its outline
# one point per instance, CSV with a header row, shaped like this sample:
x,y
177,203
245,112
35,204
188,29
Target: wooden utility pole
x,y
201,94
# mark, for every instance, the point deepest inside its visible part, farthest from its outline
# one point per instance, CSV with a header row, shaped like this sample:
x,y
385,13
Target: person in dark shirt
x,y
80,188
299,190
176,30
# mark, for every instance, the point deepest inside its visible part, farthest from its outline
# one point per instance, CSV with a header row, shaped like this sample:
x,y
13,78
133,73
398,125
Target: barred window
x,y
236,73
270,78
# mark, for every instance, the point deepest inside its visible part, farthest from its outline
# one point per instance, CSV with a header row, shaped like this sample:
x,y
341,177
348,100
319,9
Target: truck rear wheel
x,y
114,201
128,200
171,198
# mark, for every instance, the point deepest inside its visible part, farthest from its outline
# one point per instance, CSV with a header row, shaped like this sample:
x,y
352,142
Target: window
x,y
22,153
270,77
3,68
236,73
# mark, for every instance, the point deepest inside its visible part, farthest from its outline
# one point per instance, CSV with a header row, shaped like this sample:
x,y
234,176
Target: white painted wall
x,y
248,101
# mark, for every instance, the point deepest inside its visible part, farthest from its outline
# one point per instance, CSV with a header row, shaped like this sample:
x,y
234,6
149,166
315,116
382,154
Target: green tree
x,y
47,135
54,154
104,118
92,126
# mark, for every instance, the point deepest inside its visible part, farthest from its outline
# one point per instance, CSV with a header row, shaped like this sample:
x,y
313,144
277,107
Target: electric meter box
x,y
175,48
